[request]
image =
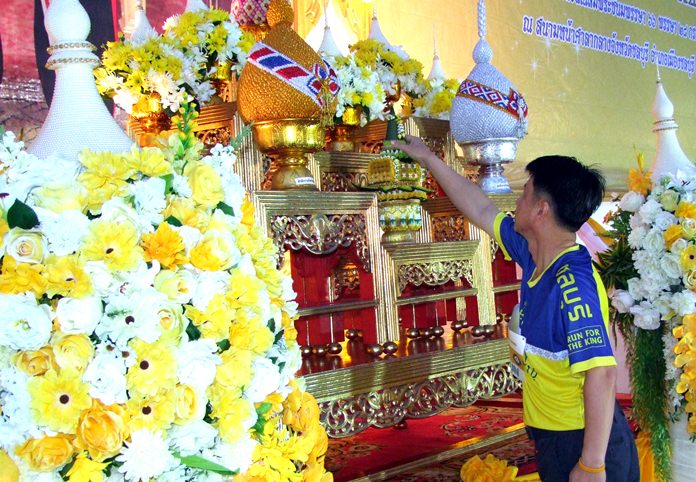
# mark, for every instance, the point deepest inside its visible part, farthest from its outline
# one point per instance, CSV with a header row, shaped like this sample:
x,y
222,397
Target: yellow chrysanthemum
x,y
58,399
250,333
149,161
154,369
231,413
164,245
244,291
233,373
685,210
86,470
114,243
153,413
489,469
22,277
688,258
66,277
105,177
671,234
248,211
217,318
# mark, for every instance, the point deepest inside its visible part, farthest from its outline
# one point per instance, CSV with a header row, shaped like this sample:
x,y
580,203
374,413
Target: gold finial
x,y
279,11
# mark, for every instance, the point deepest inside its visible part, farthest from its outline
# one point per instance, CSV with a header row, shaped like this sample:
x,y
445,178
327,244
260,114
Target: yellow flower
x,y
149,161
153,413
688,258
105,177
58,399
689,228
102,429
35,362
86,470
164,245
114,243
685,210
8,469
73,352
173,323
66,277
315,472
22,277
671,234
248,210
154,369
215,251
235,370
249,333
489,469
26,246
185,210
206,184
61,197
47,453
232,414
217,318
187,404
176,285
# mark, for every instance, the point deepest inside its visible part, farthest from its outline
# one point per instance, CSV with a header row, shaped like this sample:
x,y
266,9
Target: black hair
x,y
574,190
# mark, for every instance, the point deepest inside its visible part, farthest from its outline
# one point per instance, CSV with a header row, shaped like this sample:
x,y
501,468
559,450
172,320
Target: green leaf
x,y
223,345
198,462
263,408
193,332
21,216
173,221
271,325
278,336
225,208
168,182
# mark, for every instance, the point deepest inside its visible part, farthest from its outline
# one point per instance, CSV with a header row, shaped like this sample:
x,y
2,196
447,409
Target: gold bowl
x,y
287,142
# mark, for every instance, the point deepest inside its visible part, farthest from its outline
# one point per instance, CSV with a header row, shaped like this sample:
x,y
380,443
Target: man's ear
x,y
543,207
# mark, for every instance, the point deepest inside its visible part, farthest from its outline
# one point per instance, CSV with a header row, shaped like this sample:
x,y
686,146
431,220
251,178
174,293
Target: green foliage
x,y
21,216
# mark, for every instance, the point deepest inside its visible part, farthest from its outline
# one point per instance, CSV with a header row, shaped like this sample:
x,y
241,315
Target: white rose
x,y
689,228
621,300
209,283
79,315
669,200
635,289
106,376
116,210
645,316
663,220
631,201
149,199
649,211
64,231
197,363
671,266
654,242
177,286
24,325
663,304
26,246
193,437
678,246
684,303
266,380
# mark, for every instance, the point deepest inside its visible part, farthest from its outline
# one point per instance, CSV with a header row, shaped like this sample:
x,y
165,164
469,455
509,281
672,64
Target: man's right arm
x,y
466,196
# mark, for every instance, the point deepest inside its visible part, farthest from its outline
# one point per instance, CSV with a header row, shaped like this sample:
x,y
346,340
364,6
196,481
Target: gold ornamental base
x,y
287,142
399,219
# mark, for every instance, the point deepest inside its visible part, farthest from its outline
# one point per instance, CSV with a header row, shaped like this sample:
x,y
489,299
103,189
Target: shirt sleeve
x,y
585,319
512,243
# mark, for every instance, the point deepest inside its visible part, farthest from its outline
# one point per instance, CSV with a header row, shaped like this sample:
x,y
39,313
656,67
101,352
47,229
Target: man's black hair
x,y
574,190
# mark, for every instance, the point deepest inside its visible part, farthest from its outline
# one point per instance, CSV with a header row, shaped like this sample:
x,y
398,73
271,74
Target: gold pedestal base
x,y
287,142
399,219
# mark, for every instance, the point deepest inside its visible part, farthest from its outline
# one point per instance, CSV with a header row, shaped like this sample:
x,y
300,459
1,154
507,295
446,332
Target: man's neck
x,y
547,244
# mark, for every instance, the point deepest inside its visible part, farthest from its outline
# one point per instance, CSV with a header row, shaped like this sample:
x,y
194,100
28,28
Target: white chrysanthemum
x,y
237,456
645,316
193,437
209,283
149,199
181,186
684,302
64,231
266,380
24,325
106,375
197,362
649,211
16,422
146,456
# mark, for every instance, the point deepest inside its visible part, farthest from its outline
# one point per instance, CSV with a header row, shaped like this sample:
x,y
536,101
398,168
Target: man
x,y
569,371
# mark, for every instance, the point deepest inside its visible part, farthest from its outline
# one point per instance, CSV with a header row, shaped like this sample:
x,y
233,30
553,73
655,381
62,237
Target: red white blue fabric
x,y
295,75
512,103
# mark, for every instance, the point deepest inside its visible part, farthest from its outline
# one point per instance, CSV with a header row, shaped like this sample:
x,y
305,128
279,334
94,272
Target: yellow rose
x,y
26,246
73,351
216,251
206,184
172,321
61,197
669,200
86,470
685,210
690,280
46,453
8,469
102,430
184,210
35,362
671,234
689,228
187,404
176,285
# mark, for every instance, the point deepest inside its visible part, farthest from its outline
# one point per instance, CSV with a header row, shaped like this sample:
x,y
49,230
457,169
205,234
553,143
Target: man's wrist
x,y
590,467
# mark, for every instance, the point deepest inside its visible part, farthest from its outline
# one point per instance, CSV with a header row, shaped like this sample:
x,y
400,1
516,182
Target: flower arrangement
x,y
437,101
651,268
145,331
392,65
489,469
360,87
195,47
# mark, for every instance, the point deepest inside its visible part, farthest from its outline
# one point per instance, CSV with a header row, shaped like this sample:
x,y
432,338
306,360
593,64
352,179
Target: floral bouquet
x,y
393,66
651,268
437,101
145,332
360,87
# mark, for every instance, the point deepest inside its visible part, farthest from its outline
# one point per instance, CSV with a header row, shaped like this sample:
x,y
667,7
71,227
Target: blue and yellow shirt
x,y
564,316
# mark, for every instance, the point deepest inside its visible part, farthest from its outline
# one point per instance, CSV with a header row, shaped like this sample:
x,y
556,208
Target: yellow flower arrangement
x,y
437,101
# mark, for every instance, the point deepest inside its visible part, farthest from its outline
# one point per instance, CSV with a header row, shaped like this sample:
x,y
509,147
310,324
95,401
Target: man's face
x,y
525,206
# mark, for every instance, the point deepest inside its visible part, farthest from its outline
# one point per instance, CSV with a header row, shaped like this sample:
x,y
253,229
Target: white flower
x,y
106,376
671,266
637,235
678,246
64,231
622,301
145,456
635,289
649,211
79,315
181,186
116,210
237,456
631,201
24,325
663,220
197,362
25,246
645,316
149,199
684,302
266,380
209,283
126,317
16,422
654,242
102,278
193,437
190,235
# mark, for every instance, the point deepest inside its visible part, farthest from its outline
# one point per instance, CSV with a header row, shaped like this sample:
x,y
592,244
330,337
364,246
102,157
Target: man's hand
x,y
579,475
416,149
